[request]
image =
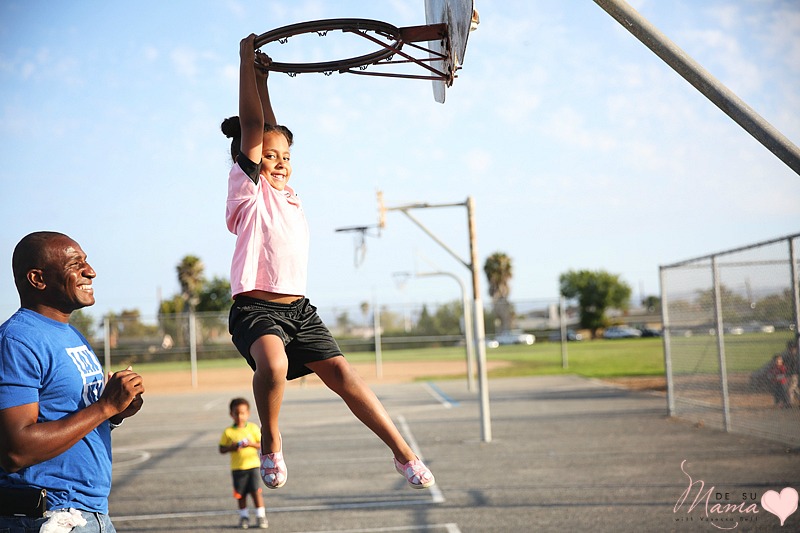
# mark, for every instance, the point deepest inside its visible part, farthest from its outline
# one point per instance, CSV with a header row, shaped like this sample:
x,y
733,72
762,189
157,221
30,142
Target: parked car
x,y
515,337
572,335
621,332
651,332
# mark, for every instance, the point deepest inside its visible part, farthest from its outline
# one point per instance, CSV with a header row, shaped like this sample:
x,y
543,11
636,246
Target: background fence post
x,y
376,334
720,326
193,345
107,342
665,338
795,286
562,326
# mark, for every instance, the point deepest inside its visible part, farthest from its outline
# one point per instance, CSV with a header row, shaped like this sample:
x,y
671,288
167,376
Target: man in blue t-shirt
x,y
56,410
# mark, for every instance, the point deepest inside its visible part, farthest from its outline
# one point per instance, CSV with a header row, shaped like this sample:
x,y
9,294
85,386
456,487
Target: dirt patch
x,y
640,383
392,372
241,377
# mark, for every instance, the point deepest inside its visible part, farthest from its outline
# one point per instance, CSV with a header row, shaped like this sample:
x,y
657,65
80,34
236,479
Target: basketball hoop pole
x,y
469,335
703,81
477,306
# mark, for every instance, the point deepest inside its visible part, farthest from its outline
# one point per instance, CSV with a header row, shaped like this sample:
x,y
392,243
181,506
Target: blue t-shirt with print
x,y
49,362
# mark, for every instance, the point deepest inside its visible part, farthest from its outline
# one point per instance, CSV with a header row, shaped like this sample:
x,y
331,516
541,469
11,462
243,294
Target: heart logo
x,y
781,505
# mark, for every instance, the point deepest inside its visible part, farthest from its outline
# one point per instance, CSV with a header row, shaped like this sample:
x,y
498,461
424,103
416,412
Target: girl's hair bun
x,y
231,127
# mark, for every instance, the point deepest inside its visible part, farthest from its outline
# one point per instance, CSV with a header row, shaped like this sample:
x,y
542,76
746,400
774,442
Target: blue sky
x,y
581,148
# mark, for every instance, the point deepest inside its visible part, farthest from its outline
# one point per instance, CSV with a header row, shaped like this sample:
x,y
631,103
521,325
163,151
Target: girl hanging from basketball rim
x,y
273,324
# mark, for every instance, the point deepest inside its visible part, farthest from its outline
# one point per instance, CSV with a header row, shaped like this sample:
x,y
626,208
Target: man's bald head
x,y
33,252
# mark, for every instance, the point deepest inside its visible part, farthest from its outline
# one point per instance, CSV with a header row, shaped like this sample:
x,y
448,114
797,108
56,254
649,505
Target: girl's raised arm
x,y
251,114
262,62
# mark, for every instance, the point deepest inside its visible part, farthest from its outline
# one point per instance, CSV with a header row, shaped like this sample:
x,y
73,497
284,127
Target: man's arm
x,y
25,442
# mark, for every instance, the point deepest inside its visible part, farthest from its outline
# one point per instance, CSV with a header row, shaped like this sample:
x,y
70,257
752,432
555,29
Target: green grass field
x,y
594,359
600,358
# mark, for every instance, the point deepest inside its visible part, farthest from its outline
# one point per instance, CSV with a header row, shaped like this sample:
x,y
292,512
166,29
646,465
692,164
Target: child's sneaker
x,y
262,522
244,523
416,473
273,470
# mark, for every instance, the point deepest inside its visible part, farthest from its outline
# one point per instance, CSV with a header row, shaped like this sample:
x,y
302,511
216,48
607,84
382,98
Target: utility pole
x,y
477,306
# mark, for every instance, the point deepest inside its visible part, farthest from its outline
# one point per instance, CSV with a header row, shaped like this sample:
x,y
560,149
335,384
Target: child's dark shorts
x,y
305,337
245,482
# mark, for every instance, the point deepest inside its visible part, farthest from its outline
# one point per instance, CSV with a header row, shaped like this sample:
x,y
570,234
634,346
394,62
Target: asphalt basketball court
x,y
567,454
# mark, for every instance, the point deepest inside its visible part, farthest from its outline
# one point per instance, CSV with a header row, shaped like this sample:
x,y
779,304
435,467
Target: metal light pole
x,y
469,335
480,333
477,306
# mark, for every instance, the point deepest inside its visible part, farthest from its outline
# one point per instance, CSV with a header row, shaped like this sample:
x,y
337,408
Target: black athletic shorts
x,y
304,336
245,482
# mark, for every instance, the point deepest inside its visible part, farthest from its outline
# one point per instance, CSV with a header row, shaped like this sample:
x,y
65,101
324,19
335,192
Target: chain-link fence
x,y
730,339
130,338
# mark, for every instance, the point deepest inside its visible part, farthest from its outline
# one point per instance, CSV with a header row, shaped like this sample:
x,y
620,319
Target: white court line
x,y
292,509
450,528
142,456
213,404
436,393
436,493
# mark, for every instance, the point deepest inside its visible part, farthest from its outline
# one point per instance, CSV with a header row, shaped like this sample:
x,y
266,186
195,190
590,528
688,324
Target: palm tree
x,y
499,272
190,277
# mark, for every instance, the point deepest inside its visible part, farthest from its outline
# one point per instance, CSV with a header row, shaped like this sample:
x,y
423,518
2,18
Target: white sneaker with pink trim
x,y
416,473
273,470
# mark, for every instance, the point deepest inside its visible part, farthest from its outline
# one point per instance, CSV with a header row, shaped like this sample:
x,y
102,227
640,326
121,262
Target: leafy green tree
x,y
83,322
425,324
596,292
197,293
128,324
343,321
391,322
735,307
499,270
173,306
171,319
652,303
775,308
445,321
215,295
448,318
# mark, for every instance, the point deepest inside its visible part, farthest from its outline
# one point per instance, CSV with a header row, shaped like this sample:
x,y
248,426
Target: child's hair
x,y
233,130
236,402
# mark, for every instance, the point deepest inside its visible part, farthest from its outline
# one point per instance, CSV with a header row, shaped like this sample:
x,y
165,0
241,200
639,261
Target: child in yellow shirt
x,y
243,440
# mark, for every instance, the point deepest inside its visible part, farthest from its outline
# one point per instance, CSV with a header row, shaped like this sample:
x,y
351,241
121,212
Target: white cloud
x,y
150,53
782,38
517,107
726,16
568,125
230,73
185,61
27,70
236,8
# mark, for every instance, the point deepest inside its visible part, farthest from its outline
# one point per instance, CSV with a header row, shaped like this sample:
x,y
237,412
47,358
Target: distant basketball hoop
x,y
360,241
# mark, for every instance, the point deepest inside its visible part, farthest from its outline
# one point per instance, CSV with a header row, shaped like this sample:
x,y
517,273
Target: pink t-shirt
x,y
271,252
